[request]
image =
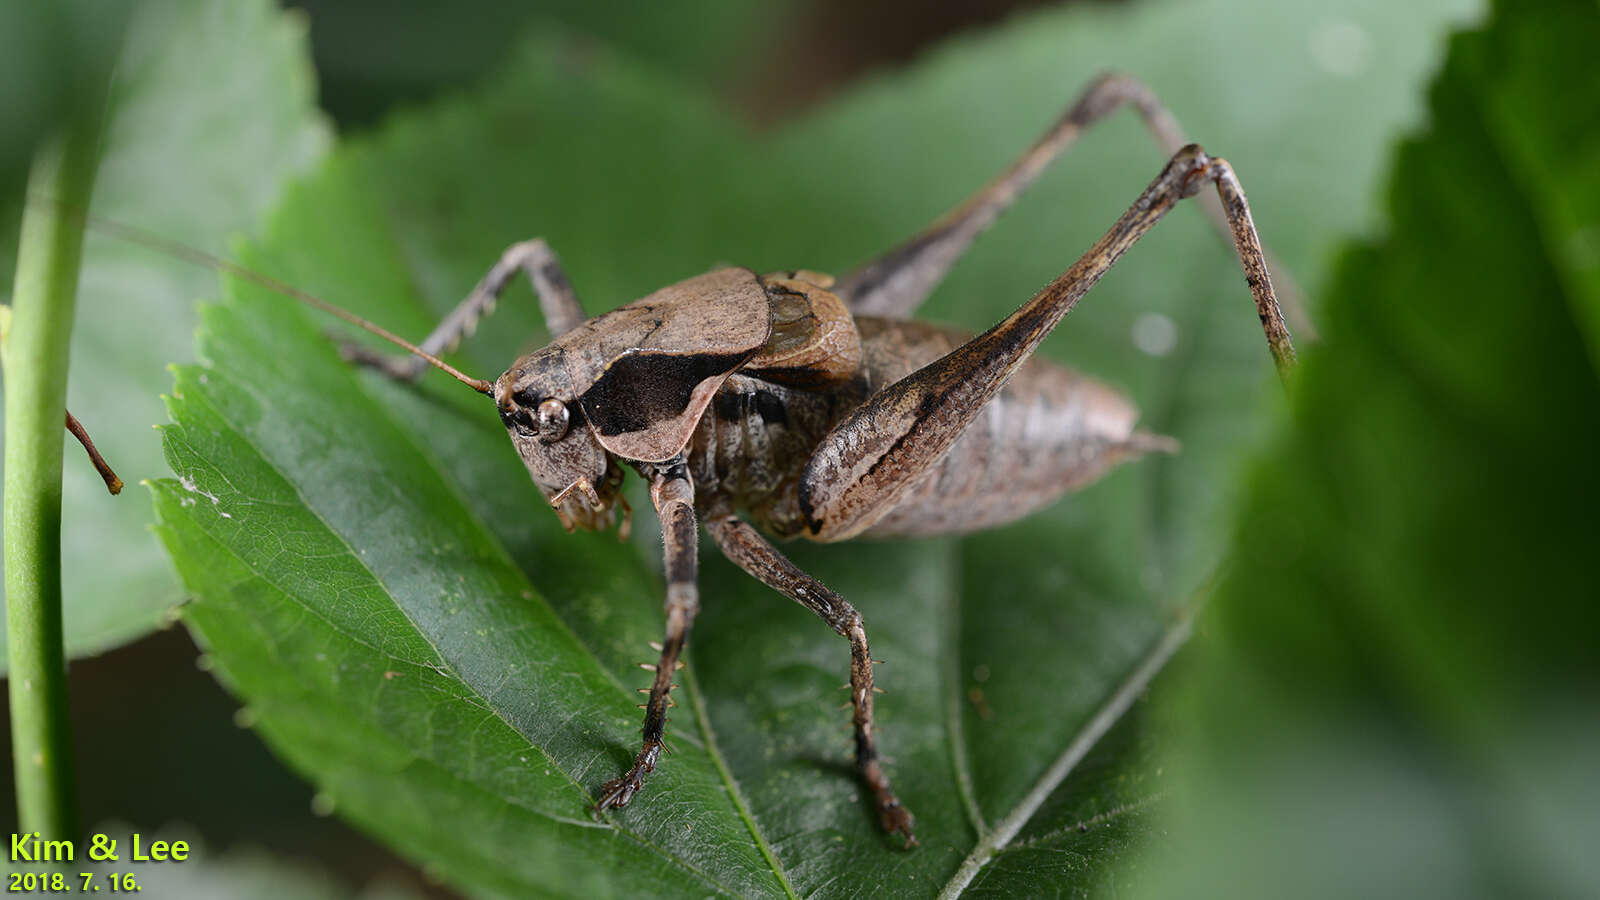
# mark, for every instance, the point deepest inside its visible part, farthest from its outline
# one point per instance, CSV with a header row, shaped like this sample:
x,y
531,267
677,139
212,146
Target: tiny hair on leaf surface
x,y
335,528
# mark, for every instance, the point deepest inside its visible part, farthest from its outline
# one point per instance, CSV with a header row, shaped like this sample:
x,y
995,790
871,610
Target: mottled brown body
x,y
816,408
821,410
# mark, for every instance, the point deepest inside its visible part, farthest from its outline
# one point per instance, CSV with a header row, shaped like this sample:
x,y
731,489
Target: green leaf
x,y
379,581
1396,693
211,113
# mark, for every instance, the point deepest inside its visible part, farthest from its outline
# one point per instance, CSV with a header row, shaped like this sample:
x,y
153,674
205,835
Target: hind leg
x,y
896,283
870,459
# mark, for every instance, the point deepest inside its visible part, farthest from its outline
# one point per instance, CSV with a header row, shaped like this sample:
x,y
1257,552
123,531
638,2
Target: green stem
x,y
36,391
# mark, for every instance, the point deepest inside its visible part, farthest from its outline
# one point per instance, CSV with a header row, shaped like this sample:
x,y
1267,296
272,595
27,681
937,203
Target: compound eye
x,y
552,420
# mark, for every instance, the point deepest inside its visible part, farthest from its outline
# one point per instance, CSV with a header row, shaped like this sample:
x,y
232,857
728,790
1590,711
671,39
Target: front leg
x,y
673,495
557,301
751,552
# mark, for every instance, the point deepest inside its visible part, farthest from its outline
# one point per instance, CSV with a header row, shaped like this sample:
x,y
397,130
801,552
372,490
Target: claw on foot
x,y
896,819
618,792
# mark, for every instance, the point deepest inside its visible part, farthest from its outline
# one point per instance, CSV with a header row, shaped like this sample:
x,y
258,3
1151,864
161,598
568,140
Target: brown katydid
x,y
816,408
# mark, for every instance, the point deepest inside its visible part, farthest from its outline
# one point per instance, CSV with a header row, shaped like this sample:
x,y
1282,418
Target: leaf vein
x,y
1094,729
704,716
953,728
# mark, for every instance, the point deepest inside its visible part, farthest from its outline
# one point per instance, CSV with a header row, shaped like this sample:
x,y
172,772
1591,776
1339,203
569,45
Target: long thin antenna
x,y
201,258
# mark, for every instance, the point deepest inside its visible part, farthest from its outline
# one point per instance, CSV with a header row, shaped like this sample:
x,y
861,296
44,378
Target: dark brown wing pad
x,y
644,373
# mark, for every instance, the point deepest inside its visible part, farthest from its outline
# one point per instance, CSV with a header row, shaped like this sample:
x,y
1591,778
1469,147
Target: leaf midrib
x,y
692,683
1116,812
1008,827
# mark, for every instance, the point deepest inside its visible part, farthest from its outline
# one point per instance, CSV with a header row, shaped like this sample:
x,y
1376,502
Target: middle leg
x,y
751,552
